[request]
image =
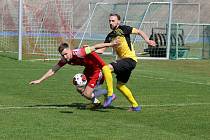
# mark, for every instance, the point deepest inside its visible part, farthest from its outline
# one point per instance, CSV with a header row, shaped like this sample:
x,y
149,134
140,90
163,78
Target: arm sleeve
x,y
62,62
107,39
79,52
134,31
127,29
87,50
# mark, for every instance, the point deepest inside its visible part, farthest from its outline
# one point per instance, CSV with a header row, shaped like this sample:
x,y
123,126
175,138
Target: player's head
x,y
114,21
65,51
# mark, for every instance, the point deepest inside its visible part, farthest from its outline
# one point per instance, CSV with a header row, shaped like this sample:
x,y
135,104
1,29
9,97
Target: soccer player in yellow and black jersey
x,y
127,58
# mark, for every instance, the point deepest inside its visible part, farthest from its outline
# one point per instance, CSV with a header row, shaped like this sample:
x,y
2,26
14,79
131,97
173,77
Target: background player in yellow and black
x,y
127,58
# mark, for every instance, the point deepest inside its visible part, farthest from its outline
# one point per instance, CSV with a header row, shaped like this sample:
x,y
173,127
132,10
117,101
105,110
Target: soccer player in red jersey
x,y
84,57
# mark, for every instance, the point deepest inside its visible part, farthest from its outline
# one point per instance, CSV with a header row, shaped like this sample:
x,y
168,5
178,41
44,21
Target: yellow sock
x,y
127,93
109,81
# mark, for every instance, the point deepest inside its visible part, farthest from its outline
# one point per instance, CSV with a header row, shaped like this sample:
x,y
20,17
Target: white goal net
x,y
46,23
143,15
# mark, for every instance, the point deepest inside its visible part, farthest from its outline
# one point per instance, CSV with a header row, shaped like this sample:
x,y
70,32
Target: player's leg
x,y
122,69
98,91
82,92
94,78
98,78
88,93
127,93
106,72
122,78
109,81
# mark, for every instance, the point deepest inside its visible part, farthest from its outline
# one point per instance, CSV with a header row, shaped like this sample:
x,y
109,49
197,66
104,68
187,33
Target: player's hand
x,y
151,43
35,82
80,90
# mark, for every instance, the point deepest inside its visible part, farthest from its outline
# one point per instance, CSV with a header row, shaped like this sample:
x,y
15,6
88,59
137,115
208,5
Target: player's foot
x,y
97,105
109,100
136,109
93,105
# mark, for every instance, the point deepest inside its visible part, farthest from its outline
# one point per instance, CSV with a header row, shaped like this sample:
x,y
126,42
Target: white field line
x,y
16,69
31,107
178,105
2,107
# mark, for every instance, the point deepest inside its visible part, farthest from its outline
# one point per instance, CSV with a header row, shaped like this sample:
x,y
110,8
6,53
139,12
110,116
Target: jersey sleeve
x,y
107,39
134,31
127,29
79,52
62,62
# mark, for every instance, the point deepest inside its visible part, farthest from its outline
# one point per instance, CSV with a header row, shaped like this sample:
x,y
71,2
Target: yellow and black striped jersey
x,y
125,49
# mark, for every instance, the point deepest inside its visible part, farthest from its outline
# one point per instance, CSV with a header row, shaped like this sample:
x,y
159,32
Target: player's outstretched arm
x,y
103,45
48,74
100,51
144,36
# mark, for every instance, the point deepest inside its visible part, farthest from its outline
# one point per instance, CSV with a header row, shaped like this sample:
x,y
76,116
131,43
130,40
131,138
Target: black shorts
x,y
123,68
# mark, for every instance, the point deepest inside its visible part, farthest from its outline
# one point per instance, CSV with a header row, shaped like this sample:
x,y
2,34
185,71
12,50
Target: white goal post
x,y
33,29
144,15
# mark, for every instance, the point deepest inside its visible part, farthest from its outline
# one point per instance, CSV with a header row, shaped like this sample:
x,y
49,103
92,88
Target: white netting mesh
x,y
8,26
46,23
140,15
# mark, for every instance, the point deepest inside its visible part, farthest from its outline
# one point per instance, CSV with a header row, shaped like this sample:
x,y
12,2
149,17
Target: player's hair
x,y
62,46
114,14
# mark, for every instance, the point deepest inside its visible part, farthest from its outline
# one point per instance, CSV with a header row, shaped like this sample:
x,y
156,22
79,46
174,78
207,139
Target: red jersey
x,y
92,63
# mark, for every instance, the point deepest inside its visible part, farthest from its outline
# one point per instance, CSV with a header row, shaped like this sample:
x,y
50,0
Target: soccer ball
x,y
79,80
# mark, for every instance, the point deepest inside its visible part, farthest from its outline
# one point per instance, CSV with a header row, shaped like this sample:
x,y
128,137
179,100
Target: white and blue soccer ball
x,y
79,80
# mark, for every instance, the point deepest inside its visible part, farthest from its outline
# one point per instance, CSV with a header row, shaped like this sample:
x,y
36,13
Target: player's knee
x,y
119,85
108,67
83,92
111,67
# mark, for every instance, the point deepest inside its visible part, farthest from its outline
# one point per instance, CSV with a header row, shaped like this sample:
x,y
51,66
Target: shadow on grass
x,y
80,106
69,112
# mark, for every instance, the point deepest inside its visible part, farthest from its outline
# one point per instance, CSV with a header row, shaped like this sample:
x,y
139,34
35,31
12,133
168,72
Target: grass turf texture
x,y
174,96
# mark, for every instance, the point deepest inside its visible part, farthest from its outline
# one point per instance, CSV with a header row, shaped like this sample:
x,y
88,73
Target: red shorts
x,y
94,78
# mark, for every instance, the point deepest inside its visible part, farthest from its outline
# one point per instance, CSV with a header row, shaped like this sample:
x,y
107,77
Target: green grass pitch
x,y
175,97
